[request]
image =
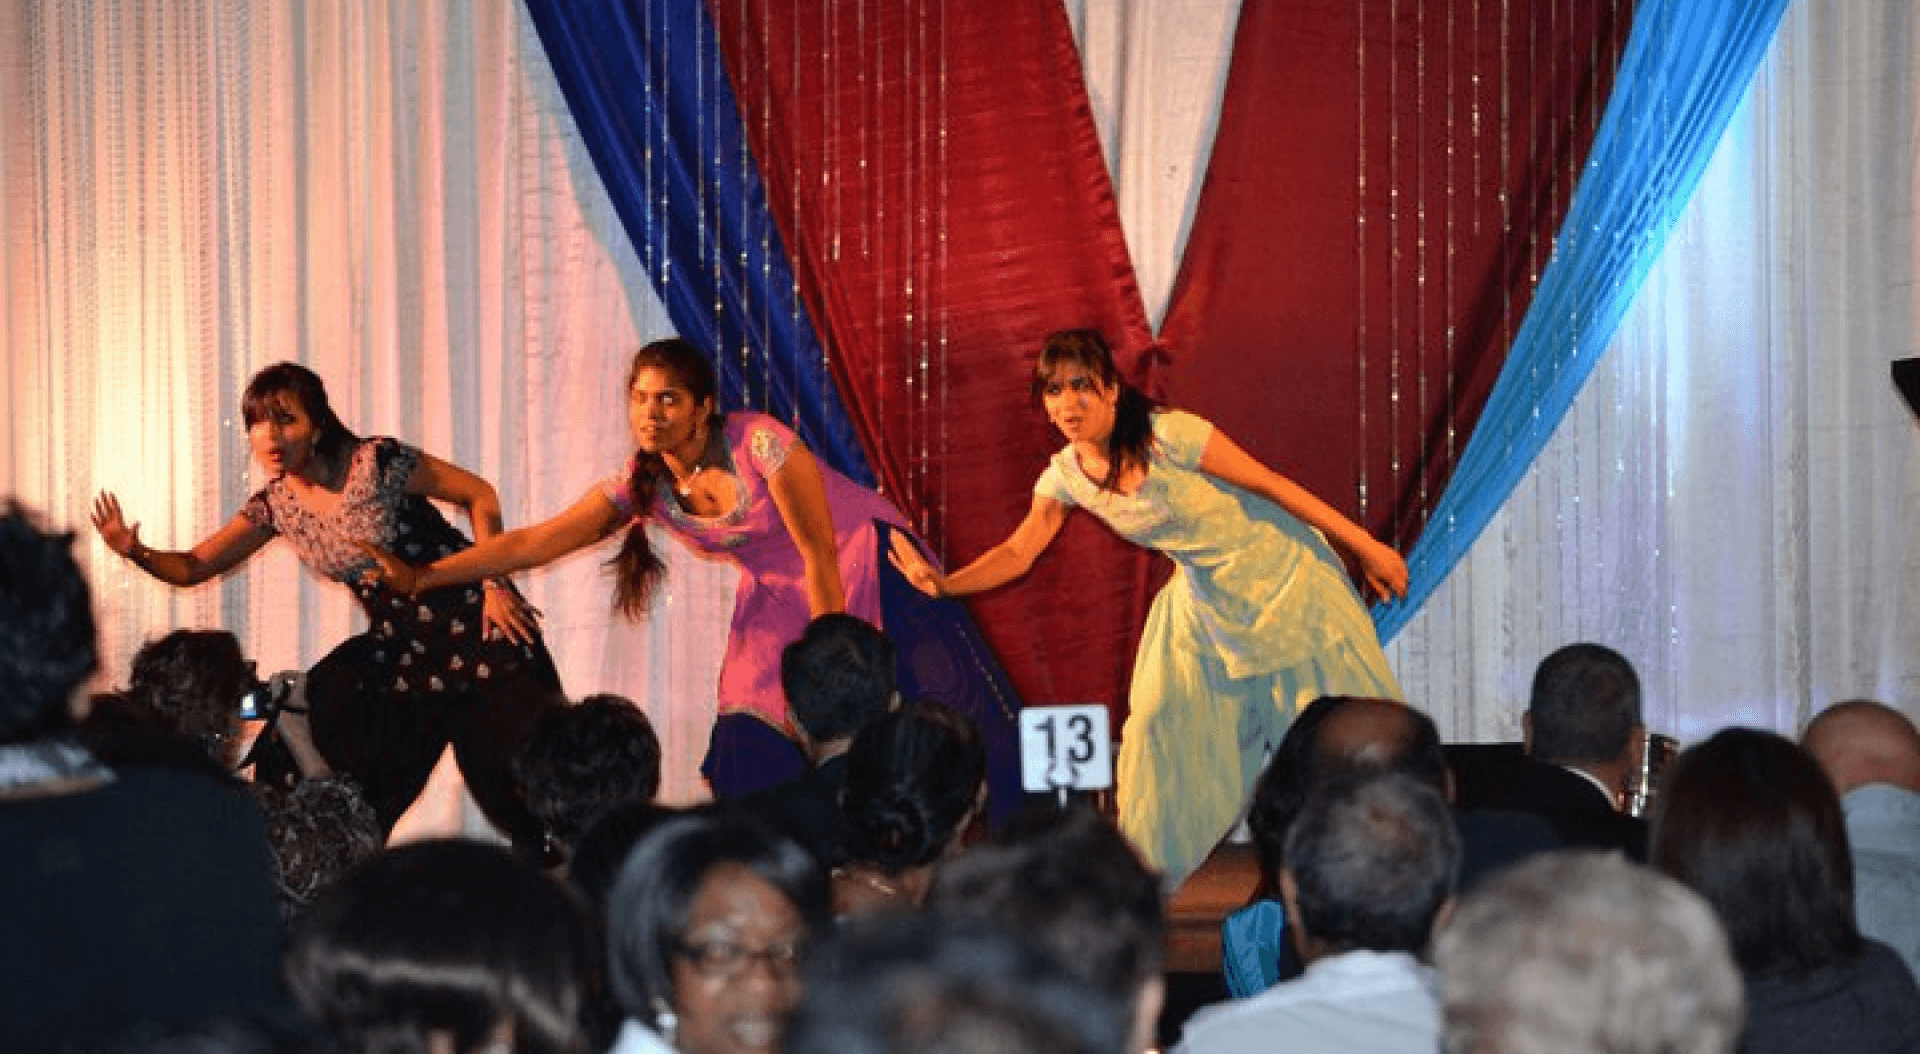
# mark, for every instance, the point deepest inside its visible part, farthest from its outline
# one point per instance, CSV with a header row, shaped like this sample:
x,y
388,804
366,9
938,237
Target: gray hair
x,y
1571,952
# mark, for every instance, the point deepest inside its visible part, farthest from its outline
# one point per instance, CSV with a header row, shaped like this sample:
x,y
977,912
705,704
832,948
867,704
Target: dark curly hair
x,y
585,758
192,680
48,646
913,778
317,831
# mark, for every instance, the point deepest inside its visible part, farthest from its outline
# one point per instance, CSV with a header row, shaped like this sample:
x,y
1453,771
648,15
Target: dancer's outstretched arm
x,y
213,556
588,520
1384,570
999,565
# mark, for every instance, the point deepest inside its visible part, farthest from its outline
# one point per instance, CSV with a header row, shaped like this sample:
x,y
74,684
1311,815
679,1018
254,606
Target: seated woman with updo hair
x,y
916,784
1749,821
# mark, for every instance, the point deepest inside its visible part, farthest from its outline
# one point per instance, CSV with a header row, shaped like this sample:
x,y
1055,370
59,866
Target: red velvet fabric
x,y
940,184
1384,190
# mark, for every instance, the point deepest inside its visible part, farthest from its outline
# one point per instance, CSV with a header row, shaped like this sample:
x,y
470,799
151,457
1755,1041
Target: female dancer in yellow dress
x,y
1258,620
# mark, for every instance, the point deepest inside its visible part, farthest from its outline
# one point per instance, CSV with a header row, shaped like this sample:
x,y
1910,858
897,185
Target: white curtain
x,y
392,194
1733,502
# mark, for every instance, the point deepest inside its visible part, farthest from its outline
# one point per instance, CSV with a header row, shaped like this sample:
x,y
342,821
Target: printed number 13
x,y
1080,728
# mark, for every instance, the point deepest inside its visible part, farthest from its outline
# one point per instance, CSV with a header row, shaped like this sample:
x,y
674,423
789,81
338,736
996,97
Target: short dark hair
x,y
928,984
653,896
192,679
1072,883
1749,820
1373,859
48,646
452,936
585,758
334,439
913,777
1585,704
838,676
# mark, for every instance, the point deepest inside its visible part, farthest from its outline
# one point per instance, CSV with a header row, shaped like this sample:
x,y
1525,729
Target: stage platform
x,y
1220,888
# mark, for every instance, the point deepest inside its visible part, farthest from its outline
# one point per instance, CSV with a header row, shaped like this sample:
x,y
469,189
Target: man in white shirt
x,y
1370,867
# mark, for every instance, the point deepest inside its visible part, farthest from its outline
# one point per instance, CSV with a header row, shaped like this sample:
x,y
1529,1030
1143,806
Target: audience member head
x,y
707,922
1861,742
47,643
446,942
1749,821
585,758
1071,883
838,676
193,679
1370,864
317,831
929,984
1334,736
915,777
1585,707
1586,953
604,845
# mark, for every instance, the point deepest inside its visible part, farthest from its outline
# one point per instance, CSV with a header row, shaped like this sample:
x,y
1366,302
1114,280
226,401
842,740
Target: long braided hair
x,y
1131,444
638,569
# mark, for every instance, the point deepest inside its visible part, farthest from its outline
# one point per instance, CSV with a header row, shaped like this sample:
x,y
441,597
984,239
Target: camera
x,y
261,700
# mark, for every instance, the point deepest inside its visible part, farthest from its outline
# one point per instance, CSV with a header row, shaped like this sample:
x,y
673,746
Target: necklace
x,y
683,485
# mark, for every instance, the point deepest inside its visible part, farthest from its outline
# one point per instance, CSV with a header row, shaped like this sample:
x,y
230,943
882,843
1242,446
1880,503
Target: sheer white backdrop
x,y
394,194
390,193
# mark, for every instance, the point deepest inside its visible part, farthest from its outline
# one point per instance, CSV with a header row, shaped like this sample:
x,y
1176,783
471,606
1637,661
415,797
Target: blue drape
x,y
648,89
1687,66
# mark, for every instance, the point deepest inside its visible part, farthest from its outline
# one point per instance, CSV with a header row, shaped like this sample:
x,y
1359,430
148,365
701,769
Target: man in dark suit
x,y
1584,739
838,677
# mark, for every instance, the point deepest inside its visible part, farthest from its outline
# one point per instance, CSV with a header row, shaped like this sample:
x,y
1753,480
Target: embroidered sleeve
x,y
1053,484
259,512
1181,437
768,444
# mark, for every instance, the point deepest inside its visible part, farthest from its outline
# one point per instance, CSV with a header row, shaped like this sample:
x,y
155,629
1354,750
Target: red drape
x,y
1384,190
938,179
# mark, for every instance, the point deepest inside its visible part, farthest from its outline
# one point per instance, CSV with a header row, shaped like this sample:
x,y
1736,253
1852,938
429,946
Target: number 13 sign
x,y
1065,748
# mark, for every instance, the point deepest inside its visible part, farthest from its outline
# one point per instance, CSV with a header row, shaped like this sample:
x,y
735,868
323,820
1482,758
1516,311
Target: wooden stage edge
x,y
1219,888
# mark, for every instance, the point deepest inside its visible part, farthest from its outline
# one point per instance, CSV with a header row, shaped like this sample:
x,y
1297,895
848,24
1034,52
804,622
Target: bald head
x,y
1862,742
1382,734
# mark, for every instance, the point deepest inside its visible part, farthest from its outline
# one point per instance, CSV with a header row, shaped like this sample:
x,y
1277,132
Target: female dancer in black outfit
x,y
462,665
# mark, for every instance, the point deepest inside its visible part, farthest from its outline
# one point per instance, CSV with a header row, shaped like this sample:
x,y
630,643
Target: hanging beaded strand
x,y
1360,244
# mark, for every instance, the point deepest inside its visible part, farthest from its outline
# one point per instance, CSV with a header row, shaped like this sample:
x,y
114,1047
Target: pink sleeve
x,y
768,442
